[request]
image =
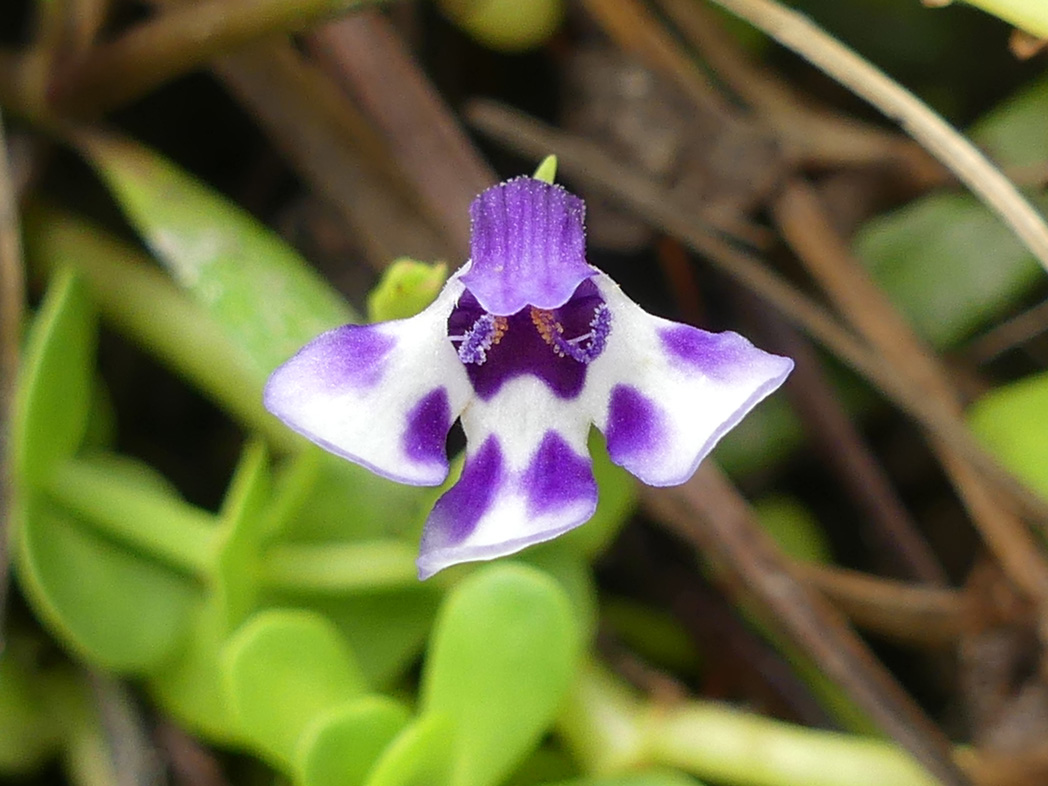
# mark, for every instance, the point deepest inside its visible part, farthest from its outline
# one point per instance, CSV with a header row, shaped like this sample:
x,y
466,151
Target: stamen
x,y
487,331
584,348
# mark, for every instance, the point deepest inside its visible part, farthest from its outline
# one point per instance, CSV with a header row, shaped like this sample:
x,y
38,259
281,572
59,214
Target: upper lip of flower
x,y
529,345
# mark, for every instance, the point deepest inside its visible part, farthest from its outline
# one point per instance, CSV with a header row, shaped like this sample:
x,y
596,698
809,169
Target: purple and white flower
x,y
528,345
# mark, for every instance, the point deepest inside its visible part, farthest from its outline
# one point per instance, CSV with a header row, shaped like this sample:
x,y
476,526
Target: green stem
x,y
338,569
610,730
139,515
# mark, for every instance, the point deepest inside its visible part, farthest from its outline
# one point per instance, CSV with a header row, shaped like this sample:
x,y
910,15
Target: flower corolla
x,y
528,345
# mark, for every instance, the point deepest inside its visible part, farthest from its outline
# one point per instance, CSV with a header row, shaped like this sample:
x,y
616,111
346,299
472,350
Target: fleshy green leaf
x,y
1012,421
342,747
282,670
421,755
656,778
53,399
267,298
385,630
501,658
119,610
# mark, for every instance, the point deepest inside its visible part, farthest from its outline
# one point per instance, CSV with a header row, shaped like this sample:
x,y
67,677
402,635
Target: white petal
x,y
381,395
665,393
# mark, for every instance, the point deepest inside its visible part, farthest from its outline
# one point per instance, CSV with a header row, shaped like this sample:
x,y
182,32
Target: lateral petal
x,y
381,395
665,393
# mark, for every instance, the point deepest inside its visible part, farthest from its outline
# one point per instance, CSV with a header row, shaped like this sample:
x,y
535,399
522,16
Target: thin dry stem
x,y
12,312
807,228
709,513
364,53
909,613
178,40
957,153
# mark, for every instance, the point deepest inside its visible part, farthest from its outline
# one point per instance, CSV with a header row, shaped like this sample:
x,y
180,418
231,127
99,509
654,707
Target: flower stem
x,y
610,730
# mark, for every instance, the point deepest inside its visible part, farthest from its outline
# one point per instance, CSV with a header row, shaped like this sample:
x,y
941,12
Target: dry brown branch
x,y
709,513
807,228
12,311
333,147
909,613
795,31
178,40
364,53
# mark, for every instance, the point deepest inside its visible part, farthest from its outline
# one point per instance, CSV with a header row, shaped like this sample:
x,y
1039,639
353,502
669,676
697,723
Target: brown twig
x,y
709,513
630,24
591,167
909,613
333,147
12,312
1009,334
807,228
364,53
177,41
798,33
889,528
808,134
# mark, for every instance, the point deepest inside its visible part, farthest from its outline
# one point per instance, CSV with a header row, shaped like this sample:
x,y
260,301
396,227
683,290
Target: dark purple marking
x,y
522,349
634,426
349,356
427,428
528,246
713,354
457,513
557,477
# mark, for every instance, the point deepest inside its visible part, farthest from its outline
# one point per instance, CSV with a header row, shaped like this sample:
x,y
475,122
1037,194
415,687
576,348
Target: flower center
x,y
555,345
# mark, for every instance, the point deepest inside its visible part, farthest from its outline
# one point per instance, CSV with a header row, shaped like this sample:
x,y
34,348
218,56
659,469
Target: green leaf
x,y
406,288
269,301
655,778
794,528
1012,421
118,610
142,302
421,755
948,263
1013,133
386,630
283,669
243,525
546,171
945,260
343,746
53,399
501,659
28,735
190,686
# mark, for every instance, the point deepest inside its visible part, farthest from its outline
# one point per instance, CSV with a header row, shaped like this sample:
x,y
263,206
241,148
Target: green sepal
x,y
405,289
